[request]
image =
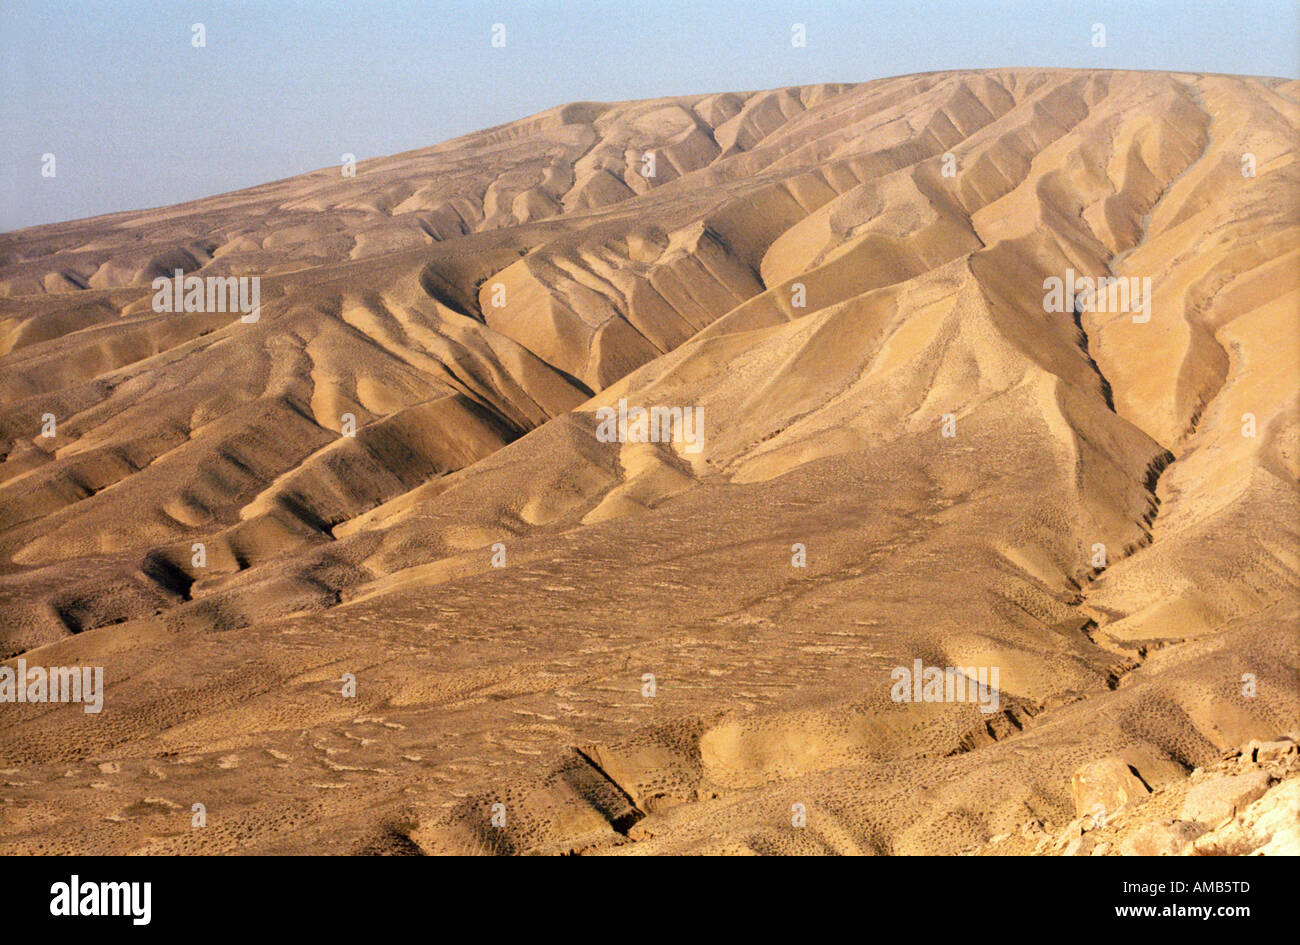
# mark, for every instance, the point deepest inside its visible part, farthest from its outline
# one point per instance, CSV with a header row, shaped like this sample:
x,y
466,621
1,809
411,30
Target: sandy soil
x,y
562,644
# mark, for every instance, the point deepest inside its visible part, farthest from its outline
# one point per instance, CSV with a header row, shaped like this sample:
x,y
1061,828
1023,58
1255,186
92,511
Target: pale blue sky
x,y
138,117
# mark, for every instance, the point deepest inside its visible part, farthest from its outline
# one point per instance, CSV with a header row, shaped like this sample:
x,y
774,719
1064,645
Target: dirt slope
x,y
903,457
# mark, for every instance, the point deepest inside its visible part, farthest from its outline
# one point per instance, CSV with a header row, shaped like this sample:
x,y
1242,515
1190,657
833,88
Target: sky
x,y
138,116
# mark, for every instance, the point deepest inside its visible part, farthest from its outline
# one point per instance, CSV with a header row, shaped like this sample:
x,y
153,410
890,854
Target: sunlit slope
x,y
847,282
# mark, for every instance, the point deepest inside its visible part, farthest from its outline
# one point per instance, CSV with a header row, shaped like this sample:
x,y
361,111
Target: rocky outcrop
x,y
1248,804
1106,786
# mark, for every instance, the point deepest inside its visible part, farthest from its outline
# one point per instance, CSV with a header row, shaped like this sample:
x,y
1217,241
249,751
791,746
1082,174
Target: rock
x,y
1214,801
1283,843
639,831
1071,830
1079,846
1268,752
1165,838
1100,849
1106,786
1230,840
1268,827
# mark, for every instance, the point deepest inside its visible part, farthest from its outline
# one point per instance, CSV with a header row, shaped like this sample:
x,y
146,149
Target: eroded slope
x,y
848,283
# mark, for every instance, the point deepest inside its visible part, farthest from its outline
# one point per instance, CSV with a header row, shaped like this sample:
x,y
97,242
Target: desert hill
x,y
847,282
